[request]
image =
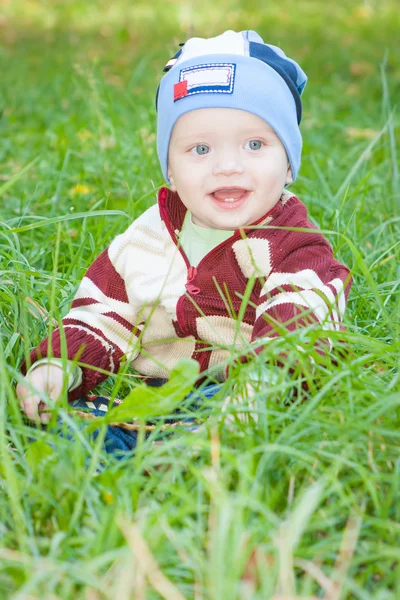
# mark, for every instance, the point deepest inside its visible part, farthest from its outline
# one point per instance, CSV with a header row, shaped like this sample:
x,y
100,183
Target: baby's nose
x,y
227,162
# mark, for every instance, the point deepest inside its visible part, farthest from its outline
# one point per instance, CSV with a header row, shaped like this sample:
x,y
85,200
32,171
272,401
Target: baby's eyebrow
x,y
194,136
203,135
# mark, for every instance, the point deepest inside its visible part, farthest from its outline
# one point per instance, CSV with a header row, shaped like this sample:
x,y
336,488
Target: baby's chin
x,y
234,221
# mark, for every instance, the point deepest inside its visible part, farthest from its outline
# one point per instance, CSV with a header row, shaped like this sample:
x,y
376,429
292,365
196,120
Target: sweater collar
x,y
173,211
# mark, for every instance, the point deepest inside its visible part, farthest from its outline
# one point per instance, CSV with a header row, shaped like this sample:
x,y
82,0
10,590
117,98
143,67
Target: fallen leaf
x,y
353,89
361,134
361,68
362,12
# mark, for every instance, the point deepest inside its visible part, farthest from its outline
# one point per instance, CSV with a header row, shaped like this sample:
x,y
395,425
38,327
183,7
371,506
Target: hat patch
x,y
215,78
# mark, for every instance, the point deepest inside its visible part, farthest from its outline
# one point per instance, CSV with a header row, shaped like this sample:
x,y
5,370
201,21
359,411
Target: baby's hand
x,y
46,378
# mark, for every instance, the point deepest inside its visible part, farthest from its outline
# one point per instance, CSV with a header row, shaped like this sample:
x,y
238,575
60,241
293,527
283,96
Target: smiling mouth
x,y
232,197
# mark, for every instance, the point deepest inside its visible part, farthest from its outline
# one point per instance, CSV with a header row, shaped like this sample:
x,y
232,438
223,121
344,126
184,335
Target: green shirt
x,y
198,241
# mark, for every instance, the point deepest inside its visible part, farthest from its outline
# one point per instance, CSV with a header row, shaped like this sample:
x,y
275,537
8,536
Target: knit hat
x,y
233,70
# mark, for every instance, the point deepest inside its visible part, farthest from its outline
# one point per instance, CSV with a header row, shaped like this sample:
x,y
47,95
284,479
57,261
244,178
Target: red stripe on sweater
x,y
116,317
88,349
83,302
103,274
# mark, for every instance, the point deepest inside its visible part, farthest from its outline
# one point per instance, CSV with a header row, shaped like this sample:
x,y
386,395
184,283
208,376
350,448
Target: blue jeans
x,y
120,439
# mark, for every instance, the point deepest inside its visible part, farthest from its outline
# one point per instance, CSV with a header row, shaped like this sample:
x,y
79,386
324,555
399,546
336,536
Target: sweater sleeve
x,y
308,287
100,328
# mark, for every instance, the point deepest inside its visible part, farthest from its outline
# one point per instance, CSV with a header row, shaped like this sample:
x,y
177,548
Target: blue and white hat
x,y
233,70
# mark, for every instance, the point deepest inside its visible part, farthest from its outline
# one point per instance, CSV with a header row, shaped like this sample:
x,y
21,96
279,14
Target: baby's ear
x,y
289,176
172,185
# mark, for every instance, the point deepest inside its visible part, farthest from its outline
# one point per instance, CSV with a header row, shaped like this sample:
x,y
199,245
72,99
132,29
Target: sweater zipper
x,y
192,271
191,274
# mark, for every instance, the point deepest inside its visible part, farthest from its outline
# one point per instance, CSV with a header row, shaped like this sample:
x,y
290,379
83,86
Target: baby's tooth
x,y
229,199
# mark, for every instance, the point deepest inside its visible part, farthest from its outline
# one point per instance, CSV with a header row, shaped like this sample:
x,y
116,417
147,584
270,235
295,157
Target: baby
x,y
172,285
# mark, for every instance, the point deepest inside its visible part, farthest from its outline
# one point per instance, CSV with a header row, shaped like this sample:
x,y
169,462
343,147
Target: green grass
x,y
303,501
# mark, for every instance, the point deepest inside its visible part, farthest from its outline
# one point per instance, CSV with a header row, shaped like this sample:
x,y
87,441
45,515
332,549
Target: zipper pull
x,y
192,289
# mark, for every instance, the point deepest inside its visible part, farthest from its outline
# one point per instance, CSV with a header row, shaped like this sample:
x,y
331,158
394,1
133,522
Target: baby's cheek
x,y
278,180
271,181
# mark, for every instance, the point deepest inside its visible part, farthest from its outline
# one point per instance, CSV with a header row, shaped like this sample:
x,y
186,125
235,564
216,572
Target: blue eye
x,y
254,145
200,149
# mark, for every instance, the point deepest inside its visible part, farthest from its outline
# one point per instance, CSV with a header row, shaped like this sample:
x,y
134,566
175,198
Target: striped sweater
x,y
142,301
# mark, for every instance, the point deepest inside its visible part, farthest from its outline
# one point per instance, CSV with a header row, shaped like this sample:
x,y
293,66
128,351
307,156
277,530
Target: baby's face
x,y
228,166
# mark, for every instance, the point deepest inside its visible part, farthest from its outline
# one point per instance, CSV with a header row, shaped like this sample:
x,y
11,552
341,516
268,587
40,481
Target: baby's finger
x,y
22,391
30,407
45,417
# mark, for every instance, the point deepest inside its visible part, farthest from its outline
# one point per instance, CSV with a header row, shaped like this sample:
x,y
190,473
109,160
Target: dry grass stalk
x,y
346,552
39,310
147,564
312,569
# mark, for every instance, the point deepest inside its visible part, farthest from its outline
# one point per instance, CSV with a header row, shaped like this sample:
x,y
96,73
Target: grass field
x,y
303,502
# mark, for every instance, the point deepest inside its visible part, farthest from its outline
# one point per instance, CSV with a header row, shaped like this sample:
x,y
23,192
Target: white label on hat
x,y
216,78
